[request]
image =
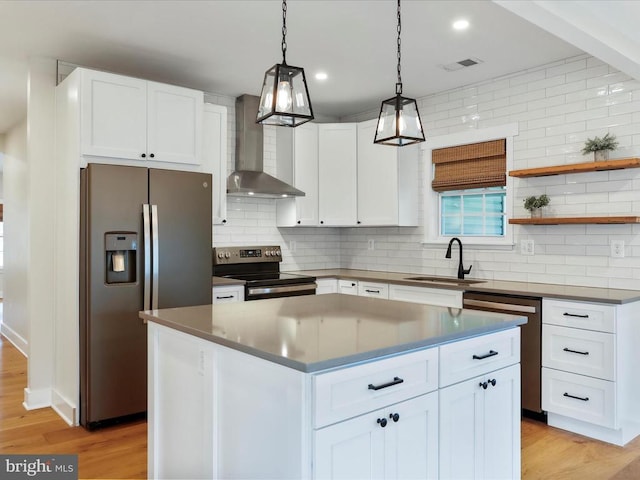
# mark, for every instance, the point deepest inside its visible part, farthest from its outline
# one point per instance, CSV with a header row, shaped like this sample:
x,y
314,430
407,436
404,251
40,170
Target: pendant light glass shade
x,y
284,100
399,122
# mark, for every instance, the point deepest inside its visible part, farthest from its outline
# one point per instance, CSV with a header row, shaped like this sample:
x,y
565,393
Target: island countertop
x,y
318,332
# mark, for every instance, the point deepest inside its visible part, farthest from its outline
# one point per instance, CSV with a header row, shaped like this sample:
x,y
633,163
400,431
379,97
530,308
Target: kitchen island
x,y
333,386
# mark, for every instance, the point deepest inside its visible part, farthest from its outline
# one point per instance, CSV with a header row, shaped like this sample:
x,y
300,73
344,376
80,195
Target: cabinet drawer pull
x,y
372,291
382,422
574,351
566,314
492,353
394,416
396,381
225,297
584,399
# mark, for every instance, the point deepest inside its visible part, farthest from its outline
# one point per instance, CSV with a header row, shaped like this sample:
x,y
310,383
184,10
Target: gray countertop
x,y
313,333
225,282
590,294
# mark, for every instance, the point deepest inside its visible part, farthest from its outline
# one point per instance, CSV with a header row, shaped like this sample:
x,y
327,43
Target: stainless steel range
x,y
259,267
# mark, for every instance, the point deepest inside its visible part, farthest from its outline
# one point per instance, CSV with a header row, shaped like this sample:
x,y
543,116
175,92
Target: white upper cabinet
x,y
174,123
301,211
214,157
337,173
129,118
387,181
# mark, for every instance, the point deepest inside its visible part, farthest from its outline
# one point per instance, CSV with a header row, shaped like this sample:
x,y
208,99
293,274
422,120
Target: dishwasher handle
x,y
507,307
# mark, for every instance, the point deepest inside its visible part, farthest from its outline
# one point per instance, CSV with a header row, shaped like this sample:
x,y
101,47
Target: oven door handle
x,y
282,289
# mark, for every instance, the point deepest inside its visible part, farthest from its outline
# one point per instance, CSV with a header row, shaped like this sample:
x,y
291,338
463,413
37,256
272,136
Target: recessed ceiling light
x,y
461,24
321,76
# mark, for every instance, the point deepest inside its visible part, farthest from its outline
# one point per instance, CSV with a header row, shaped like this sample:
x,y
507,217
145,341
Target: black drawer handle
x,y
566,314
584,399
372,291
575,351
225,297
492,353
396,381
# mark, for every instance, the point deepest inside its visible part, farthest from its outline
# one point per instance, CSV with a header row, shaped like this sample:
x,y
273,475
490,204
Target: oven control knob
x,y
277,252
227,255
267,253
220,255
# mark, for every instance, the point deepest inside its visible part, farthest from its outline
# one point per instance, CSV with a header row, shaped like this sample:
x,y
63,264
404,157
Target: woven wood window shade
x,y
478,165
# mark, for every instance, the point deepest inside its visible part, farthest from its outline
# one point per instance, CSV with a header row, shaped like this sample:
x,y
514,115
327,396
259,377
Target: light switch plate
x,y
371,244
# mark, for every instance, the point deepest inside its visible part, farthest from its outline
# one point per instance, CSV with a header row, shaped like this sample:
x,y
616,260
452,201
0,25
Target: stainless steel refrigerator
x,y
145,242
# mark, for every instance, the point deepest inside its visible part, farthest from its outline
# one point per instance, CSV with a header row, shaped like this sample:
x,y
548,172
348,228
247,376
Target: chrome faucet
x,y
461,271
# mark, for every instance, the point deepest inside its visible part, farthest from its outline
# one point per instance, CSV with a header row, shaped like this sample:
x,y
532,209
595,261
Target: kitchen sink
x,y
455,281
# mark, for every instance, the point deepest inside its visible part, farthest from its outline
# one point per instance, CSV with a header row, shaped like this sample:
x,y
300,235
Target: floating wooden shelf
x,y
577,168
573,220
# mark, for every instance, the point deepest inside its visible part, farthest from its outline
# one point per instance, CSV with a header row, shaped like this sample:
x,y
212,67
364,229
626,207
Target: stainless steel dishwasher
x,y
530,340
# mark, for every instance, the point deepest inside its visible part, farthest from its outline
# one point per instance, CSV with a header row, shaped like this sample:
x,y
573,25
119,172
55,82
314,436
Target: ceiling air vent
x,y
467,62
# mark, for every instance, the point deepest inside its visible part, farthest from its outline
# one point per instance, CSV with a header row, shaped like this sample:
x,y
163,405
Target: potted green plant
x,y
600,146
534,204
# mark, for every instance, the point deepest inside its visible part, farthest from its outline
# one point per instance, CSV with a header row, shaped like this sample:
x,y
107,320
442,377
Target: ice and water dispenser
x,y
120,256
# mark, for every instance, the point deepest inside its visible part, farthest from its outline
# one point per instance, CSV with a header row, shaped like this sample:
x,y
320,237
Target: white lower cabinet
x,y
326,285
480,416
432,296
480,427
348,287
228,294
397,442
589,368
373,289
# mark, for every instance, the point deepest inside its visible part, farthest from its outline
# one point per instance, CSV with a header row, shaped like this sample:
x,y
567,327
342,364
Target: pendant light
x,y
284,100
399,122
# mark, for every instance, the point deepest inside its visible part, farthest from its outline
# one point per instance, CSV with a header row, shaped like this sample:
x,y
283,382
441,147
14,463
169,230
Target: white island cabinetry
x,y
379,418
480,408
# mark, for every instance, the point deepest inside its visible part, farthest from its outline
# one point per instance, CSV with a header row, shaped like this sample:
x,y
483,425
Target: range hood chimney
x,y
249,177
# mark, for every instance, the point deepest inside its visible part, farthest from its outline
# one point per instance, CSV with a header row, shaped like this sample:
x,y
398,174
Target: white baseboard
x,y
64,408
17,340
627,432
34,399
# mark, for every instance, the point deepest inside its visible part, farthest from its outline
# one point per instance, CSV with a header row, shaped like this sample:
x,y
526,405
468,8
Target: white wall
x,y
557,107
15,324
40,300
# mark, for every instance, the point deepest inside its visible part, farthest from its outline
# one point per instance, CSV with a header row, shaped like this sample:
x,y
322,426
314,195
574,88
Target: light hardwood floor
x,y
121,452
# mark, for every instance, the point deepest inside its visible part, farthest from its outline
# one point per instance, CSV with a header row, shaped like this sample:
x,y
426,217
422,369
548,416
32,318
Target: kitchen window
x,y
467,189
477,212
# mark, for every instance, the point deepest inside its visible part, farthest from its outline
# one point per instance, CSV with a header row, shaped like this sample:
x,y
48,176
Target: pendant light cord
x,y
399,84
284,32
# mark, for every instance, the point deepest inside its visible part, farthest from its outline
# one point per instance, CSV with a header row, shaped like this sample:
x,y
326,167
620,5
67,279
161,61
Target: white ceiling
x,y
225,46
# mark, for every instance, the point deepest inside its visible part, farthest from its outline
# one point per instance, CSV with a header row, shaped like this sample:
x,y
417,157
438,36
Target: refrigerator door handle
x,y
156,255
146,222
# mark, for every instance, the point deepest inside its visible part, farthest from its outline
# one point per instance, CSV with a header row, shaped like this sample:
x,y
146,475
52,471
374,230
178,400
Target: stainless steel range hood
x,y
249,179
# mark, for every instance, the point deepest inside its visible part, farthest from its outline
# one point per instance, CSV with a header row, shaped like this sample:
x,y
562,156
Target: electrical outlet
x,y
527,247
617,248
292,246
371,244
